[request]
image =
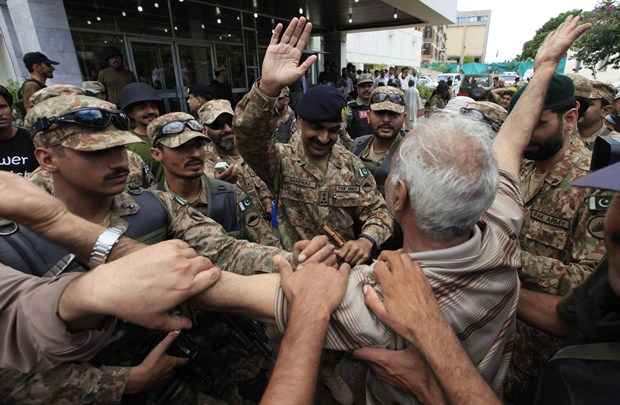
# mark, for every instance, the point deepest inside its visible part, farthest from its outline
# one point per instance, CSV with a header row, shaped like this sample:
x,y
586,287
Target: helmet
x,y
136,93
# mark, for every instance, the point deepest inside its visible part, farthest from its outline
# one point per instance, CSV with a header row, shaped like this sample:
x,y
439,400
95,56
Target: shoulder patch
x,y
596,226
182,201
599,203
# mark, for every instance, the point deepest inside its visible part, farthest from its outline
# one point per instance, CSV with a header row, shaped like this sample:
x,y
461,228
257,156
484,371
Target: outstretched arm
x,y
515,134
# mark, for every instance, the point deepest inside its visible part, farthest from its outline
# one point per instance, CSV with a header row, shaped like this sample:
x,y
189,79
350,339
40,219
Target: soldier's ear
x,y
48,157
157,154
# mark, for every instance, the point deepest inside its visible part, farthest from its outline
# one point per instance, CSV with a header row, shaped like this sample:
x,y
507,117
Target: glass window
x,y
90,49
206,22
136,17
231,56
196,65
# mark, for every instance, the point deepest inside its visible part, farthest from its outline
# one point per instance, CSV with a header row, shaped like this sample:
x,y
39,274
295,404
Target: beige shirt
x,y
32,336
476,286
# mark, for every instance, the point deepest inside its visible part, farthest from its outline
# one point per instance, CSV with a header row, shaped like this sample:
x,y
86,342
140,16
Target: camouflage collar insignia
x,y
182,201
364,172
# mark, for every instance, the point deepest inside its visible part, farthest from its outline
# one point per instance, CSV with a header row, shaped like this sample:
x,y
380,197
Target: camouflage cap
x,y
93,87
491,111
364,78
583,86
73,136
56,90
603,91
285,92
387,104
213,109
173,140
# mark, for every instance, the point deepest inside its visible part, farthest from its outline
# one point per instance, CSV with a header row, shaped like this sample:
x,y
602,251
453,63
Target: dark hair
x,y
202,90
6,94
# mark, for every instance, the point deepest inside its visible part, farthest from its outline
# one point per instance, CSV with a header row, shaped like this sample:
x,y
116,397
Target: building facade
x,y
402,47
172,44
467,39
434,46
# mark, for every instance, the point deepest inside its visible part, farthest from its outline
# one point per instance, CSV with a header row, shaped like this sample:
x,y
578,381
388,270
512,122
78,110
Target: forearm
x,y
295,375
515,133
542,271
540,311
79,236
460,380
252,296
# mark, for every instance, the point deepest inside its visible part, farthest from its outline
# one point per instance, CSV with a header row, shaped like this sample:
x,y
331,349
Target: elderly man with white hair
x,y
456,196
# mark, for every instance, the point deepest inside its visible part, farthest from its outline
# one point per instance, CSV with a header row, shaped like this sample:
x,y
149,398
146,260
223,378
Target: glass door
x,y
154,63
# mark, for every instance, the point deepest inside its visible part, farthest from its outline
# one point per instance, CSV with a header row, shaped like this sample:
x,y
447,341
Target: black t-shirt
x,y
17,154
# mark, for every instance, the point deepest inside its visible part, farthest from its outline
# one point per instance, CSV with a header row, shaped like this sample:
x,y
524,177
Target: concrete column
x,y
42,25
336,47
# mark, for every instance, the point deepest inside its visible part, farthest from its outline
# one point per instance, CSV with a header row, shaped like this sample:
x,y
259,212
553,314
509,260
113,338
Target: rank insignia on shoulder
x,y
364,172
180,200
245,204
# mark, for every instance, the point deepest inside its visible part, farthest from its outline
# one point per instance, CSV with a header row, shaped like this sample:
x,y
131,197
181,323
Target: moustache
x,y
193,162
116,173
149,115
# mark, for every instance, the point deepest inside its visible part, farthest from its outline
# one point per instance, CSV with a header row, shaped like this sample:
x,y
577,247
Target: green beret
x,y
560,94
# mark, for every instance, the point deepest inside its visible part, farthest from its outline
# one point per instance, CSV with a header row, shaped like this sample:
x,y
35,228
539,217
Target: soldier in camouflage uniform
x,y
595,98
287,122
318,184
356,114
216,116
387,116
561,238
89,168
139,173
179,144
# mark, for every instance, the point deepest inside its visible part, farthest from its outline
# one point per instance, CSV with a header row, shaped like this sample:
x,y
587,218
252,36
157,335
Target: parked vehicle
x,y
509,78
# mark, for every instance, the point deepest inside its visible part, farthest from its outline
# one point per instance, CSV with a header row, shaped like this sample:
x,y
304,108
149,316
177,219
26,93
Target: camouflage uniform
x,y
287,122
345,197
561,242
253,226
492,114
606,92
355,114
247,180
82,381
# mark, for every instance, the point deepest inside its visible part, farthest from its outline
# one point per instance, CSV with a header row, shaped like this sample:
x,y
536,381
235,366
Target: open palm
x,y
281,64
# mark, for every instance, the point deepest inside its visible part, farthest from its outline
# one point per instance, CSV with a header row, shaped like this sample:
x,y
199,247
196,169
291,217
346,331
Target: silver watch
x,y
104,244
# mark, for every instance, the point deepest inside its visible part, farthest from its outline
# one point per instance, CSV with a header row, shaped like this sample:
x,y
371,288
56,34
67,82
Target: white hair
x,y
448,167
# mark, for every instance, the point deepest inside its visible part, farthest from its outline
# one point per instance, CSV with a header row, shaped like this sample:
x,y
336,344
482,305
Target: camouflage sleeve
x,y
71,383
211,240
345,139
255,227
584,251
139,172
374,215
255,121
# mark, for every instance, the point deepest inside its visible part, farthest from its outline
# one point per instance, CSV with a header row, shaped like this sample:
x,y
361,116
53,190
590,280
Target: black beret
x,y
560,94
321,104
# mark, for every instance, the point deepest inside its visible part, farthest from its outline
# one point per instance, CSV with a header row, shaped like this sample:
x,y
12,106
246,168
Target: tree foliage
x,y
531,47
599,47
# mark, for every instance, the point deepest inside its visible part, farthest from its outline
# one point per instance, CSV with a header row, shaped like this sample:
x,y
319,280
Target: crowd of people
x,y
363,249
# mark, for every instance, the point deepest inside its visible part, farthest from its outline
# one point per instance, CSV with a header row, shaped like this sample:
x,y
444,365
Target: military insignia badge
x,y
596,226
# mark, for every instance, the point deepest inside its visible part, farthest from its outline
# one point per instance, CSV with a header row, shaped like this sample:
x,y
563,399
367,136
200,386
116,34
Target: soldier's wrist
x,y
268,88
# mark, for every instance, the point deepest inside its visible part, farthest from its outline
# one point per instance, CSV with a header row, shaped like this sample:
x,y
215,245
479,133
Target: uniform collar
x,y
203,198
299,155
573,158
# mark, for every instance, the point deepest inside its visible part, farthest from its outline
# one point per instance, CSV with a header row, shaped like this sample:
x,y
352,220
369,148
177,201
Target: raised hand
x,y
281,63
558,42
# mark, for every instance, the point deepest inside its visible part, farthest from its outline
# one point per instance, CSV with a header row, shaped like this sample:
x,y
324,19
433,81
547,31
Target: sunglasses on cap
x,y
87,117
177,127
481,117
221,121
381,97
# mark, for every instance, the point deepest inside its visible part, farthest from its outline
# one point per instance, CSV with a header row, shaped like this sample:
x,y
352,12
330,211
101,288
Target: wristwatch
x,y
104,245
